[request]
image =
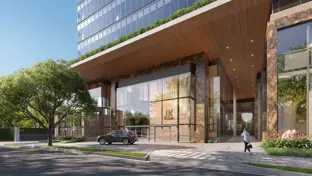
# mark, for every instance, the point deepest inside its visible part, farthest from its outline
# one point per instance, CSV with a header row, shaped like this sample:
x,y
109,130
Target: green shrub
x,y
72,138
65,138
212,141
298,152
157,23
280,143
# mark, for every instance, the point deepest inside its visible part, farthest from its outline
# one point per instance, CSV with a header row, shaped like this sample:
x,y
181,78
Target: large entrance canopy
x,y
232,30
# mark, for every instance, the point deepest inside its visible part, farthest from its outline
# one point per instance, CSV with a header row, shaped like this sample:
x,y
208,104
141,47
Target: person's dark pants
x,y
246,147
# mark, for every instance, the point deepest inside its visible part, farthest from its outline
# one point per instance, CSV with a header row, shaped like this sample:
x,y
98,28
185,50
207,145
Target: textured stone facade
x,y
273,27
193,59
201,101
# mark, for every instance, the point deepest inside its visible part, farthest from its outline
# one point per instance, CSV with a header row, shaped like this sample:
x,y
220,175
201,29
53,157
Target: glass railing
x,y
293,61
280,5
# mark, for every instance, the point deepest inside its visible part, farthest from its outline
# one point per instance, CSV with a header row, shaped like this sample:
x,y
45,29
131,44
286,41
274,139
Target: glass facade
x,y
160,109
220,97
294,77
279,5
100,22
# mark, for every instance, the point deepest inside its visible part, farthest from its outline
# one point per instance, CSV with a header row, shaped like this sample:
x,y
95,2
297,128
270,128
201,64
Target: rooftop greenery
x,y
140,31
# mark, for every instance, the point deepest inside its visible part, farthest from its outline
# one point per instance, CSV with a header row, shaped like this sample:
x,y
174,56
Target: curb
x,y
77,152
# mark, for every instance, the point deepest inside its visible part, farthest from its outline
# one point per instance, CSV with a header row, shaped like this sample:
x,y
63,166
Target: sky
x,y
32,31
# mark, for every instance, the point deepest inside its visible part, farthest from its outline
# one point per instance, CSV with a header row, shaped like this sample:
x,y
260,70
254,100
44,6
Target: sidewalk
x,y
233,152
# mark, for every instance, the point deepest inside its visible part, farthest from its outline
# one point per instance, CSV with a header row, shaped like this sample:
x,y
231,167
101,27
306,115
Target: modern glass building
x,y
100,22
202,76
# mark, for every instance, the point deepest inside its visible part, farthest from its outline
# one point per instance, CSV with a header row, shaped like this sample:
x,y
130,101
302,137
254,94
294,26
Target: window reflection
x,y
156,103
103,14
170,87
96,95
292,62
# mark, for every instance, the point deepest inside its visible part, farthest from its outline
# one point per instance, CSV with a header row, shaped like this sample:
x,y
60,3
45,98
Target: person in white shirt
x,y
246,140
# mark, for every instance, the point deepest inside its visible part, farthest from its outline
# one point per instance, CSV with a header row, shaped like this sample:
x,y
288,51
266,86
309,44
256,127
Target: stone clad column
x,y
201,100
234,113
271,77
114,121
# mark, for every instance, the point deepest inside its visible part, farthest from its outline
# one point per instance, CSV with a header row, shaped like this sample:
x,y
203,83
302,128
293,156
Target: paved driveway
x,y
31,162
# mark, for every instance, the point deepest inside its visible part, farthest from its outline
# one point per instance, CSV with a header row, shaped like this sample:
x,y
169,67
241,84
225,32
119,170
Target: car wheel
x,y
102,141
125,141
109,142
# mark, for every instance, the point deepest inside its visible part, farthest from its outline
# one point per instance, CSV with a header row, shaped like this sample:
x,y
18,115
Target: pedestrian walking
x,y
247,141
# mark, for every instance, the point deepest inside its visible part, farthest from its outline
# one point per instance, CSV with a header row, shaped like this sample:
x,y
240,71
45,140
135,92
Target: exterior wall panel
x,y
273,27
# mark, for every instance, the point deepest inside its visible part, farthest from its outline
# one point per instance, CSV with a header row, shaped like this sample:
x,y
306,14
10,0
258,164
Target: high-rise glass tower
x,y
100,22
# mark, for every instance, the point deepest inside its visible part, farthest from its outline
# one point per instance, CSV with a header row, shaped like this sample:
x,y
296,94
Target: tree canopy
x,y
47,94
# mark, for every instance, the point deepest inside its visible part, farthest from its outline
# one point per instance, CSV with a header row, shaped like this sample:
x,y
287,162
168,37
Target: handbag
x,y
249,145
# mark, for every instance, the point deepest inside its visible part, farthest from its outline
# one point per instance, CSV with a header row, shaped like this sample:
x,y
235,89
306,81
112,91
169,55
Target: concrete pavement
x,y
32,162
203,151
200,153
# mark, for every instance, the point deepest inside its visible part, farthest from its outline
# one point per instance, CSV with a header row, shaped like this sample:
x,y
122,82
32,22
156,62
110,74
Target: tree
x,y
47,93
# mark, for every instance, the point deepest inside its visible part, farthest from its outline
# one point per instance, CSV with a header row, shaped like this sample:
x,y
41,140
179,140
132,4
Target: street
x,y
26,161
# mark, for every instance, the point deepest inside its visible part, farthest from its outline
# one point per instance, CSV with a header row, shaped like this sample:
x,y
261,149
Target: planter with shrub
x,y
291,143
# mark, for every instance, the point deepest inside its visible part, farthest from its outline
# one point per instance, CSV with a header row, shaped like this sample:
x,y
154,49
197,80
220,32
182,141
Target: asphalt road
x,y
31,162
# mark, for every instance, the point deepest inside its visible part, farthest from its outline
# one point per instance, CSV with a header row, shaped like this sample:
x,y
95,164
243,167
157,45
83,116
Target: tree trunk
x,y
50,135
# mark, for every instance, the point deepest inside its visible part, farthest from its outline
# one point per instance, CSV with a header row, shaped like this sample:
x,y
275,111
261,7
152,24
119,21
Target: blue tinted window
x,y
98,16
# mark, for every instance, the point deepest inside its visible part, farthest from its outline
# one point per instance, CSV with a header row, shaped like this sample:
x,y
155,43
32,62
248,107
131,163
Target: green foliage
x,y
289,152
72,138
287,168
6,134
157,23
294,90
212,141
298,47
136,118
43,92
293,144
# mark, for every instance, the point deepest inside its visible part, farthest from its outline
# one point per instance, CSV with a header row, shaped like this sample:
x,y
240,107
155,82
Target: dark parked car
x,y
126,137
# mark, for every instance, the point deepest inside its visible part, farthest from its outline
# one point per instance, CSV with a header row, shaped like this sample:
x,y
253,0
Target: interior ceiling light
x,y
227,47
251,41
252,65
252,55
233,69
231,60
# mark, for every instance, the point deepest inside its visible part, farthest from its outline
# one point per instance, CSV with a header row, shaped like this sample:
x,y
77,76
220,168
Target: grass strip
x,y
69,141
286,168
289,152
11,145
112,152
